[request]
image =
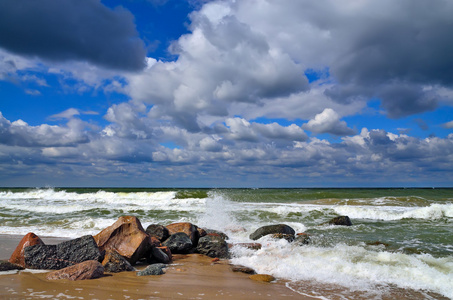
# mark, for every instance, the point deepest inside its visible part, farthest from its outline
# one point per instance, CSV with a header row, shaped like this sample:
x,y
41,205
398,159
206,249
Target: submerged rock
x,y
115,263
262,277
179,243
340,221
302,239
271,229
243,269
30,239
127,237
90,269
154,269
213,246
252,246
68,253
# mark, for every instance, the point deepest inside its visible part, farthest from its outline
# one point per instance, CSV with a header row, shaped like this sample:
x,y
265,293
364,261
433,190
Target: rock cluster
x,y
120,246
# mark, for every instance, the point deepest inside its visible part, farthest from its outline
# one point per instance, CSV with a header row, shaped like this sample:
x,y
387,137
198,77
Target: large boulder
x,y
68,253
188,228
213,232
115,263
89,269
30,239
179,243
127,237
158,231
213,246
272,229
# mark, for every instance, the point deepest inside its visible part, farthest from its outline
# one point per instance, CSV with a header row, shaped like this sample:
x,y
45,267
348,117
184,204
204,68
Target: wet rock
x,y
201,232
252,246
68,253
157,255
167,251
262,277
89,269
188,228
213,232
302,239
179,243
127,237
339,221
154,269
271,229
154,242
243,269
285,236
115,263
8,266
158,231
213,246
30,239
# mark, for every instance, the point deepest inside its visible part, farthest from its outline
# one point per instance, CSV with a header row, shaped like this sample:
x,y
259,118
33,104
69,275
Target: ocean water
x,y
399,247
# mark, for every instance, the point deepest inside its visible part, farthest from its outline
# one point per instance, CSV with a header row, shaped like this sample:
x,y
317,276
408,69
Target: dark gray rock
x,y
154,269
158,256
242,269
218,233
158,231
179,243
115,263
285,236
341,221
213,246
271,229
7,266
68,253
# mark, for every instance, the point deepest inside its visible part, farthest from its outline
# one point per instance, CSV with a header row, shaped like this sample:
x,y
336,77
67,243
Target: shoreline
x,y
192,276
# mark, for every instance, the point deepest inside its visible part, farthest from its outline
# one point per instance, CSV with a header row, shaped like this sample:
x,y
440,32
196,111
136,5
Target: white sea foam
x,y
353,267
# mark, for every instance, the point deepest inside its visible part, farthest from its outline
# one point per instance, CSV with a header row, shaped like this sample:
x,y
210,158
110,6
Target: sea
x,y
400,245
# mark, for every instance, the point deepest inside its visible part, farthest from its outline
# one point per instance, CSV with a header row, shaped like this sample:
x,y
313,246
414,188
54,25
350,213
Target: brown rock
x,y
201,232
243,269
115,263
127,237
154,241
30,239
262,277
186,227
89,269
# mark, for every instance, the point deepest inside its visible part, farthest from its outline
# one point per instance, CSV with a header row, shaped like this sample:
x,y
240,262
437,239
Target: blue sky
x,y
267,93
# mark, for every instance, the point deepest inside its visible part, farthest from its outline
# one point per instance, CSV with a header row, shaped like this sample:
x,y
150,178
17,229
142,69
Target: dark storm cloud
x,y
71,30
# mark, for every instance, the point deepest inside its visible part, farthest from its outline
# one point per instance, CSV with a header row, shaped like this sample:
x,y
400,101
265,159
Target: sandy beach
x,y
189,277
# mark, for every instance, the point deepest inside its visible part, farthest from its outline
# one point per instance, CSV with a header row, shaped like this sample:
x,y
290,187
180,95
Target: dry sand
x,y
189,277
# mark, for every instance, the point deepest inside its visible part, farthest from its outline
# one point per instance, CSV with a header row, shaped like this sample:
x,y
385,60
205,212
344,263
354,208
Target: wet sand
x,y
189,277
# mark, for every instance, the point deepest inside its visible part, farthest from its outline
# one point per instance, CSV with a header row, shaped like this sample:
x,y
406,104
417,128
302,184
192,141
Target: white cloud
x,y
328,122
448,125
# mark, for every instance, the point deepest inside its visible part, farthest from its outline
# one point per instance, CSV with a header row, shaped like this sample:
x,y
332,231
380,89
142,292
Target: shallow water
x,y
401,240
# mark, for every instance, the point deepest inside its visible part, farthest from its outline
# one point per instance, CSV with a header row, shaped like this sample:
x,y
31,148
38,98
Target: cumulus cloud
x,y
72,30
328,122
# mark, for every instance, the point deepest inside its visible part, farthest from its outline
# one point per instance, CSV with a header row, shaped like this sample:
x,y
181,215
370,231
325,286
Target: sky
x,y
226,93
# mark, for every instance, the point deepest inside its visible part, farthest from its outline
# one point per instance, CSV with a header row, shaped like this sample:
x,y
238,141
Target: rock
x,y
271,229
213,246
341,220
302,239
167,251
201,232
243,269
157,255
186,227
179,243
115,263
30,239
158,231
68,253
89,269
285,236
155,269
262,277
8,266
154,242
213,232
253,246
127,237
